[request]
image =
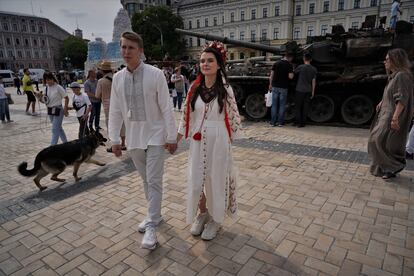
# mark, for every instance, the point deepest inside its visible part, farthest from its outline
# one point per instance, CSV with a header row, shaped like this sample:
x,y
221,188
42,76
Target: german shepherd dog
x,y
54,159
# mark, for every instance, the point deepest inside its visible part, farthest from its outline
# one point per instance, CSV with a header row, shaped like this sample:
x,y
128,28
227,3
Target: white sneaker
x,y
143,225
149,241
210,230
198,224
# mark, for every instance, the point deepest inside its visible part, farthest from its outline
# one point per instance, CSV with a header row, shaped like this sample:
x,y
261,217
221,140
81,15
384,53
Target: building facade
x,y
28,41
275,22
133,6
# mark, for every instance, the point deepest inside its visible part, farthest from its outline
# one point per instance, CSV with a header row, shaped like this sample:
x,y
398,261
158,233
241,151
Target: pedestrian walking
x,y
4,105
389,129
143,104
83,107
179,81
53,97
16,82
103,92
395,10
210,121
305,89
282,72
90,90
28,90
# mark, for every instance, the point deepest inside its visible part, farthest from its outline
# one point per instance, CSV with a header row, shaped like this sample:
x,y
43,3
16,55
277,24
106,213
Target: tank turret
x,y
351,74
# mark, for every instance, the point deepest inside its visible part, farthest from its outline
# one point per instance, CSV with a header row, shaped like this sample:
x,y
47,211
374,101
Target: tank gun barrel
x,y
226,40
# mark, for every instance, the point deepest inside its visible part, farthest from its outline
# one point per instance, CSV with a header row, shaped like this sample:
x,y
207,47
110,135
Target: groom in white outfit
x,y
140,98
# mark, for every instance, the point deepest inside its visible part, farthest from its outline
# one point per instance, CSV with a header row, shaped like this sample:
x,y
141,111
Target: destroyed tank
x,y
351,74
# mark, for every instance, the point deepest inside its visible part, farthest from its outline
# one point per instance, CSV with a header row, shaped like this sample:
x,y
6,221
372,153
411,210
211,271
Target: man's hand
x,y
116,149
66,111
171,147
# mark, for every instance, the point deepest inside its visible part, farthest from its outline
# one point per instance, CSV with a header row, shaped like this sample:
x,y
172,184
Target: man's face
x,y
130,50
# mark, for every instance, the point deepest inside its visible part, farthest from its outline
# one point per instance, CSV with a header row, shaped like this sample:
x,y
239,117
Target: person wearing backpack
x,y
103,92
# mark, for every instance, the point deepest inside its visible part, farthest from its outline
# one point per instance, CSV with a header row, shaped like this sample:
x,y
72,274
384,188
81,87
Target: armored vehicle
x,y
351,74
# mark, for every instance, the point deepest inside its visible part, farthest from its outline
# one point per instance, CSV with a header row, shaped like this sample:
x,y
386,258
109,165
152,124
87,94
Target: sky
x,y
94,17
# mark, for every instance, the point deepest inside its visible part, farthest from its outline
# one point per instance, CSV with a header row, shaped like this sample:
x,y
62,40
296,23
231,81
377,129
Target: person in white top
x,y
140,98
53,99
83,107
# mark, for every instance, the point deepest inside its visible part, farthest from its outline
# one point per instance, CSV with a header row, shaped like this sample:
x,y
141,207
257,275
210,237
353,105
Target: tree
x,y
154,22
76,50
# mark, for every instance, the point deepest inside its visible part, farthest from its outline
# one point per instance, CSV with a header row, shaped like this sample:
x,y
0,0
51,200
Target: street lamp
x,y
146,19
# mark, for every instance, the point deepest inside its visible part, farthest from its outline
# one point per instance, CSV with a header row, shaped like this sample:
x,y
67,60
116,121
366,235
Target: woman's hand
x,y
395,124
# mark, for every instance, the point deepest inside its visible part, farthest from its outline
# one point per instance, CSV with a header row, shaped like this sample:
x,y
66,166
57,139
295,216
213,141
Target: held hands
x,y
171,147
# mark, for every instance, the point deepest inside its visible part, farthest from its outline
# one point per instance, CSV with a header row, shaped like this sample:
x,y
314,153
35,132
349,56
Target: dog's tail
x,y
25,172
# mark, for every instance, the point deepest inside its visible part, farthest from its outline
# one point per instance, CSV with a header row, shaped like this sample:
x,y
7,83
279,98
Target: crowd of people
x,y
139,115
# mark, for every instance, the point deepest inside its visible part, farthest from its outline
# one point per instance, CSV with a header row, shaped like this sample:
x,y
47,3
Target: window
x,y
24,28
190,42
26,42
242,16
34,42
324,28
15,27
190,25
253,35
19,54
253,14
17,41
373,3
326,6
264,12
214,21
357,4
276,33
296,33
231,56
241,55
264,34
311,8
277,10
36,54
222,19
44,54
5,26
232,17
1,54
355,25
232,35
8,41
341,5
198,42
252,54
206,22
310,31
241,35
41,29
28,55
298,9
33,28
10,53
198,23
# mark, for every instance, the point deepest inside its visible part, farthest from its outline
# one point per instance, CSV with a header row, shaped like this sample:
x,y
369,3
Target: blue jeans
x,y
279,96
95,115
57,129
4,110
179,98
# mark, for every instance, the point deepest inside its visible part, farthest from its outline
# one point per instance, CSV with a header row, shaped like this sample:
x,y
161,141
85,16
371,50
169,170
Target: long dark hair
x,y
220,86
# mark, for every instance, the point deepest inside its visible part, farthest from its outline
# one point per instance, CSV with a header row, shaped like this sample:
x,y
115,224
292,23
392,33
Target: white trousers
x,y
150,165
410,143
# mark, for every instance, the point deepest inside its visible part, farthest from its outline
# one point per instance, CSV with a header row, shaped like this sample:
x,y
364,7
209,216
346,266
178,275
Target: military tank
x,y
351,74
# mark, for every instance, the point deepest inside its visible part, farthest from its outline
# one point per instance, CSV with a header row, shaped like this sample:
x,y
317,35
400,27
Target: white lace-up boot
x,y
198,224
210,230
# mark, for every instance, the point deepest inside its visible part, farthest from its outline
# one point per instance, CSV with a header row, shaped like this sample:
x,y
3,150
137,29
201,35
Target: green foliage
x,y
76,49
161,17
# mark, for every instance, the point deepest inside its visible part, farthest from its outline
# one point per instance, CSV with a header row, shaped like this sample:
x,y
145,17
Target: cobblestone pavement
x,y
308,206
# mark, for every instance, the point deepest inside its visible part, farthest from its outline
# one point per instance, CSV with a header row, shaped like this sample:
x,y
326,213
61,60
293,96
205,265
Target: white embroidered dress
x,y
211,166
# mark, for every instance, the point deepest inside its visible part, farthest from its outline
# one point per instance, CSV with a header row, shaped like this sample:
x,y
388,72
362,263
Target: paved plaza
x,y
307,206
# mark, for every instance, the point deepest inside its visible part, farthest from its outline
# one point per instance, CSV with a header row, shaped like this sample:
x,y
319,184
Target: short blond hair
x,y
133,36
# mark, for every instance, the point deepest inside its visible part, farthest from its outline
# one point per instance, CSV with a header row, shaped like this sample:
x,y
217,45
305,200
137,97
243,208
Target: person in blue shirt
x,y
395,9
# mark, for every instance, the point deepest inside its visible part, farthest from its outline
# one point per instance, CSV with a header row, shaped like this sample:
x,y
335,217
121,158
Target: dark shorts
x,y
30,96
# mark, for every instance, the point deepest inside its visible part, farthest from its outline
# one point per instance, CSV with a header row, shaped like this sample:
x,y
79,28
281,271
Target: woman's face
x,y
387,63
50,82
208,64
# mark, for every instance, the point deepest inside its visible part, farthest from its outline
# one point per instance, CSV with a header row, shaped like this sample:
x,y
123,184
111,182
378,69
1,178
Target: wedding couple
x,y
140,98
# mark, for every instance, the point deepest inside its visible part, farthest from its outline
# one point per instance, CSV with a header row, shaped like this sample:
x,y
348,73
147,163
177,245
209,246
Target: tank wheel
x,y
357,110
322,109
255,106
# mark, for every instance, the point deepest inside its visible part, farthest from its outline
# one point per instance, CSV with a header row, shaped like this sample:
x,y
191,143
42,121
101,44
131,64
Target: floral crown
x,y
219,47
